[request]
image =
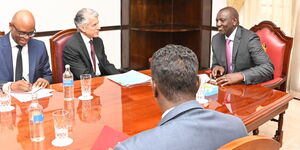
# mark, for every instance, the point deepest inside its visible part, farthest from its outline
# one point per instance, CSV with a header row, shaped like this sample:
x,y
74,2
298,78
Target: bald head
x,y
22,26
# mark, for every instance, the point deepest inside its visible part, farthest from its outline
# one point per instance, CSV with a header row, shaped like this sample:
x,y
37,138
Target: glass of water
x,y
60,119
5,101
85,80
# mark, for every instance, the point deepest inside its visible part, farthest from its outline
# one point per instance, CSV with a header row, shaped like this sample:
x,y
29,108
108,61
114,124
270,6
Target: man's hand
x,y
231,78
40,82
21,86
217,71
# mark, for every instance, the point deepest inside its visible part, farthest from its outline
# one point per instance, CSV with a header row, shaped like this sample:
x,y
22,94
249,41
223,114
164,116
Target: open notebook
x,y
109,138
129,78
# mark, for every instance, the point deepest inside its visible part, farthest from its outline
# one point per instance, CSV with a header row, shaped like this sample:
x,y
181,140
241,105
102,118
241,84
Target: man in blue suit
x,y
185,124
24,61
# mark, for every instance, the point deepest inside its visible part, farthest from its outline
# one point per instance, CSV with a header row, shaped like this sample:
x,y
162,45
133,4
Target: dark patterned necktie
x,y
19,64
93,55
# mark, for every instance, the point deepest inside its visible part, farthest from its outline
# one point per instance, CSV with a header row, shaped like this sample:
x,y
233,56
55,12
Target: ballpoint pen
x,y
24,79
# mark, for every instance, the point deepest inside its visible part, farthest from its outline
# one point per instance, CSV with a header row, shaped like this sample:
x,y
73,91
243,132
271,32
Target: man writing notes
x,y
84,51
184,124
23,60
238,53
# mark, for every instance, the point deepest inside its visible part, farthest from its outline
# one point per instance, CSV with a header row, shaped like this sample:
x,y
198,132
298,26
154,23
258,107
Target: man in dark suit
x,y
23,60
238,53
184,124
84,51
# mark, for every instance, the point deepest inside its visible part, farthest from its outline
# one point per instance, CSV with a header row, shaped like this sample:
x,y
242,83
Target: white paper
x,y
129,78
203,78
27,96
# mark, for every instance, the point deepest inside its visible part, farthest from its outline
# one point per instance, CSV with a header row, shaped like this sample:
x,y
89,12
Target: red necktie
x,y
93,55
228,56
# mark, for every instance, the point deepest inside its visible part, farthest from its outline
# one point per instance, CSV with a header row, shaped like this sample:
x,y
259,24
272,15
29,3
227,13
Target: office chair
x,y
252,143
57,42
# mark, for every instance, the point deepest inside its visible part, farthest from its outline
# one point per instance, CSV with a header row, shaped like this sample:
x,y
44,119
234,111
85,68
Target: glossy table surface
x,y
130,110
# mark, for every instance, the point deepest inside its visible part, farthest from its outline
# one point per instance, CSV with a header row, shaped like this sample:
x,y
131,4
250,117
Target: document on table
x,y
27,96
129,78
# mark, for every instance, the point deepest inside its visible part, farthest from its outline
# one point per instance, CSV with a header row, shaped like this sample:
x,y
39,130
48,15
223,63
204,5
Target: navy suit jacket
x,y
39,66
188,126
248,56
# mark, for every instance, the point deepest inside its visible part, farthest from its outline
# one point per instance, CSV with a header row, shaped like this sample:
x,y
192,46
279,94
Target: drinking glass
x,y
85,80
60,119
5,101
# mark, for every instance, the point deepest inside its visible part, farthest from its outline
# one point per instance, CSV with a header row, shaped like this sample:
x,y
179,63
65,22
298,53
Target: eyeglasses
x,y
24,34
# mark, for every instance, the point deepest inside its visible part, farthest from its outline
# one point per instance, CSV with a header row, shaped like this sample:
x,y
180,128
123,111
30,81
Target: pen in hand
x,y
24,79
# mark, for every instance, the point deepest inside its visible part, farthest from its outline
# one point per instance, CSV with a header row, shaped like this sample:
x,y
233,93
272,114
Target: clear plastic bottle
x,y
36,119
68,82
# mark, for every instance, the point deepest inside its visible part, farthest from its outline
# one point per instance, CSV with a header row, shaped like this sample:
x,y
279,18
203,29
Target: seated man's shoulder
x,y
37,42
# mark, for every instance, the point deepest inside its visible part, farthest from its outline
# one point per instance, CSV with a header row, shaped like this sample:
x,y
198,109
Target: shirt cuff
x,y
244,77
6,87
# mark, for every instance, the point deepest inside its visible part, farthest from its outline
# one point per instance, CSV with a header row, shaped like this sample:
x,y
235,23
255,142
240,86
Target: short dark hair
x,y
174,70
233,12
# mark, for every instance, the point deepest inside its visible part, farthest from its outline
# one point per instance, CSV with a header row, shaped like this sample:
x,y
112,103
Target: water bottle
x,y
36,119
68,82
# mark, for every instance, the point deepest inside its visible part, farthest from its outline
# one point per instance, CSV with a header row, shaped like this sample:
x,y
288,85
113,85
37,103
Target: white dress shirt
x,y
86,41
25,58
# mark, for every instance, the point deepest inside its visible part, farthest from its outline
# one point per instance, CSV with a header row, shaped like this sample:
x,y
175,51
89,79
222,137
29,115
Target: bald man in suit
x,y
24,61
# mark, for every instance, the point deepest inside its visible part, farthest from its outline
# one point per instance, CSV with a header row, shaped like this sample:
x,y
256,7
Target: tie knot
x,y
228,41
19,47
91,42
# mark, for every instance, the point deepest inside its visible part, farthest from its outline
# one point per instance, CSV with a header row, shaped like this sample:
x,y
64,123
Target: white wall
x,y
217,5
59,14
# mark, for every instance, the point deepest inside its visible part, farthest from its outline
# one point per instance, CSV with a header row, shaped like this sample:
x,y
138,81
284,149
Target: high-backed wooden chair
x,y
57,42
252,143
278,46
2,33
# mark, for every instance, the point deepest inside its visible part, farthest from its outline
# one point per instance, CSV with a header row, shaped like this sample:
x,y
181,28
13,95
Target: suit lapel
x,y
32,61
179,110
8,56
223,52
84,48
98,50
236,43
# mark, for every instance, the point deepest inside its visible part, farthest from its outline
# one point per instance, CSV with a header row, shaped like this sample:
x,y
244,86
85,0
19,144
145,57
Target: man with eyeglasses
x,y
24,61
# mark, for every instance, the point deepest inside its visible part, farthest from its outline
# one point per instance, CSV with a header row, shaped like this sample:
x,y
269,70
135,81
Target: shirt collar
x,y
12,41
166,112
232,35
13,44
85,38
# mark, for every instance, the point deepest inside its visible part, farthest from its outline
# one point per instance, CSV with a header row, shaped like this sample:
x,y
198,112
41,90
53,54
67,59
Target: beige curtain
x,y
277,11
286,15
237,4
294,73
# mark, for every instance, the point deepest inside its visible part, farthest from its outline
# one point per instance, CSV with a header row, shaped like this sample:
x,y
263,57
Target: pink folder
x,y
109,138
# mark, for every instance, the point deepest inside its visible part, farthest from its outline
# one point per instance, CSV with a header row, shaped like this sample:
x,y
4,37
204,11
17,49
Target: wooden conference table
x,y
130,110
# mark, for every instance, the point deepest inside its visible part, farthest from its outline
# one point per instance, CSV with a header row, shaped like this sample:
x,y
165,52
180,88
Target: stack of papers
x,y
27,96
129,78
